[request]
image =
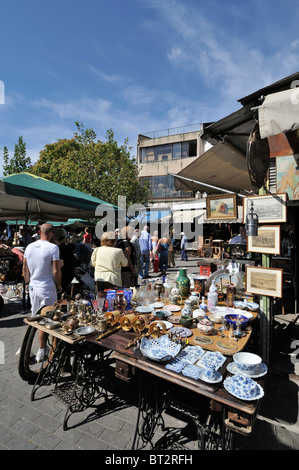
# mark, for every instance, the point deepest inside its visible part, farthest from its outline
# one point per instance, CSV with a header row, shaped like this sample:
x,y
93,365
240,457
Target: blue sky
x,y
135,65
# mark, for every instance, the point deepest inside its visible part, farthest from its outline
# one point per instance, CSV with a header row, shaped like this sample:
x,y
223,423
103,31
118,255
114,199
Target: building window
x,y
175,151
162,187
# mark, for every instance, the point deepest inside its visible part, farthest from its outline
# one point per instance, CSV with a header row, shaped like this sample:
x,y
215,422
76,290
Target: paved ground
x,y
37,425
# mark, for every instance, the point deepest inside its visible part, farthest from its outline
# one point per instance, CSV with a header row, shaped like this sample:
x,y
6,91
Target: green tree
x,y
101,169
19,162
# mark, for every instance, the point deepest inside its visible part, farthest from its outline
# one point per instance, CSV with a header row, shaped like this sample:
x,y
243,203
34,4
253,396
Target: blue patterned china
x,y
210,372
239,304
247,362
210,359
252,306
159,349
192,371
180,331
211,375
176,365
243,387
191,354
261,370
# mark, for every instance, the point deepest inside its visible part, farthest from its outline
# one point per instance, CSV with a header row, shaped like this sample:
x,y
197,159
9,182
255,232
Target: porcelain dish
x,y
211,358
198,373
173,308
143,309
159,349
251,305
243,387
239,304
157,305
180,331
191,354
261,370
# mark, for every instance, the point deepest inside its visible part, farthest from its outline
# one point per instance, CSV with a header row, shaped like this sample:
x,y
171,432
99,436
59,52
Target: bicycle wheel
x,y
1,305
28,367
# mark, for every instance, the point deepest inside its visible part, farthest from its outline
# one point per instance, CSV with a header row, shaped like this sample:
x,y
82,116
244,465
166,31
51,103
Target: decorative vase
x,y
213,295
183,283
187,309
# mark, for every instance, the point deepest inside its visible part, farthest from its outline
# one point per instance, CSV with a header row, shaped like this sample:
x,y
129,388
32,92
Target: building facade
x,y
159,158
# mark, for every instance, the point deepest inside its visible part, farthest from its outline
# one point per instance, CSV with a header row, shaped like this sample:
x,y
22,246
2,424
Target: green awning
x,y
40,199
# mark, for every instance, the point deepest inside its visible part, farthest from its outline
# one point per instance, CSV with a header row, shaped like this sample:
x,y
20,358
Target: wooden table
x,y
84,384
160,389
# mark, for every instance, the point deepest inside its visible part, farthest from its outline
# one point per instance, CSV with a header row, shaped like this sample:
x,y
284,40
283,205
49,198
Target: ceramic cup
x,y
210,373
247,362
186,321
160,314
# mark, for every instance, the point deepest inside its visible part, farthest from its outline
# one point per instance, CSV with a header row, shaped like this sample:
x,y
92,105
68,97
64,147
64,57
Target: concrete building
x,y
160,157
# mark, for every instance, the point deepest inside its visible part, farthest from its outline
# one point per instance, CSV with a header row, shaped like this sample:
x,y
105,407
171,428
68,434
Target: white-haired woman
x,y
108,262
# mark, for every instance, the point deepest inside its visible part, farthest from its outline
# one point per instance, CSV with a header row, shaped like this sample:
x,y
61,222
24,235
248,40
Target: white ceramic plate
x,y
166,323
173,308
144,309
157,305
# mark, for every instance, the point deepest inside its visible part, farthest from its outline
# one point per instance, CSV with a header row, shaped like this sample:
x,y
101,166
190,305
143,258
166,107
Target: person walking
x,y
183,247
42,271
135,243
146,247
162,248
128,273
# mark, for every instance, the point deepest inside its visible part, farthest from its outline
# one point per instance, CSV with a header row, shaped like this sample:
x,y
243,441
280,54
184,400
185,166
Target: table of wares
x,y
215,411
84,384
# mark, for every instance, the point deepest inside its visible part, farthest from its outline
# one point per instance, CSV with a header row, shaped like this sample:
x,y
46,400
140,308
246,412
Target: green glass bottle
x,y
183,283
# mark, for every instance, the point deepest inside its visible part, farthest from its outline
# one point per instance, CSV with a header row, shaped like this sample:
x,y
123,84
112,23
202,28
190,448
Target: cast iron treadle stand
x,y
155,397
84,385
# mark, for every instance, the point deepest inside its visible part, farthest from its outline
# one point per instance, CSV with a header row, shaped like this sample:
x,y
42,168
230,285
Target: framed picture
x,y
264,281
222,206
268,207
287,178
267,240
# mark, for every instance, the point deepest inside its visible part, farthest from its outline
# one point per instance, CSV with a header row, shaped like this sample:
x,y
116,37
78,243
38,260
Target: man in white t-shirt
x,y
41,270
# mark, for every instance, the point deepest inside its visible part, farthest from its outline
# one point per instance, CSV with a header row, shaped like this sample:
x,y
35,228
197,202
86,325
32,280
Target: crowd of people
x,y
50,257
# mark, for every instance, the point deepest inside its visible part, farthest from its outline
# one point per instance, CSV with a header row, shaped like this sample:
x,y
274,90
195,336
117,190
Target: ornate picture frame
x,y
222,206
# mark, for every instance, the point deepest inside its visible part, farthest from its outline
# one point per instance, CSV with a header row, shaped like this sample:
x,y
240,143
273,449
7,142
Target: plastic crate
x,y
205,270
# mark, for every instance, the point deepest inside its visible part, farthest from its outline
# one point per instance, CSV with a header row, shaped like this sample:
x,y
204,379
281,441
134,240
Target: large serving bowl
x,y
239,304
243,387
252,306
235,319
247,362
159,349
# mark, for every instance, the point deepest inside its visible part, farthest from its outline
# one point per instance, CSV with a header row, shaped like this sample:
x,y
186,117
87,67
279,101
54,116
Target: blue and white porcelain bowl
x,y
252,306
159,349
247,362
239,304
243,387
